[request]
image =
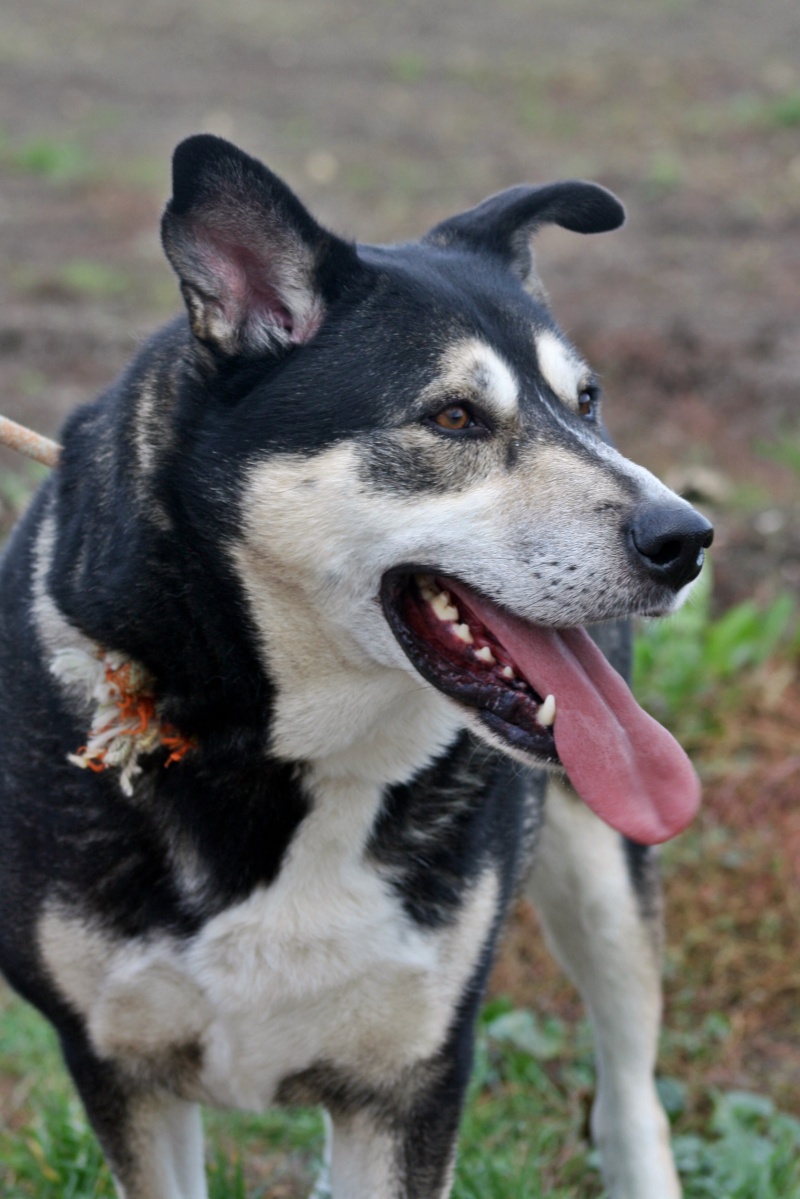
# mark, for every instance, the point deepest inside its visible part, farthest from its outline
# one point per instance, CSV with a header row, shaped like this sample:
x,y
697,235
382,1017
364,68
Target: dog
x,y
294,678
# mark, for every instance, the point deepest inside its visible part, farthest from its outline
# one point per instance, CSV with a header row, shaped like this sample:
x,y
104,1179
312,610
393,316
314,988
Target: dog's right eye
x,y
454,418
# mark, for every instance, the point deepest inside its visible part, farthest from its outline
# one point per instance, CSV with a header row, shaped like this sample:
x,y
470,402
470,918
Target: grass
x,y
786,451
90,277
523,1131
16,489
45,1148
754,1151
774,112
55,159
74,279
408,68
693,669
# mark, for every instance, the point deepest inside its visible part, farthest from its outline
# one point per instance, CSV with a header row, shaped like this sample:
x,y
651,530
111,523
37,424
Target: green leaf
x,y
672,1093
523,1031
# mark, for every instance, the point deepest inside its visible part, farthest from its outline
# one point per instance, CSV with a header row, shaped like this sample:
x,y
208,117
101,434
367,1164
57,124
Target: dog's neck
x,y
340,715
335,704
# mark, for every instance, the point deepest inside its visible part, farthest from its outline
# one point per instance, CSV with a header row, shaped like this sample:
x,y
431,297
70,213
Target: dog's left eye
x,y
587,403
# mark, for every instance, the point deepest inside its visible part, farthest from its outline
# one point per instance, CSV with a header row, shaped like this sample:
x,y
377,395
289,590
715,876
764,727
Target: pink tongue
x,y
628,769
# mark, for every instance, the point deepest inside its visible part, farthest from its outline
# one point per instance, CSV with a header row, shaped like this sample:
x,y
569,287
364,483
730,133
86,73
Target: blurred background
x,y
387,116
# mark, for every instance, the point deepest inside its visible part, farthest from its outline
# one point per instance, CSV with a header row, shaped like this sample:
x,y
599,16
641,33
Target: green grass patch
x,y
522,1135
57,159
786,451
17,487
753,1152
408,68
693,669
46,1148
16,491
665,174
774,112
88,276
78,278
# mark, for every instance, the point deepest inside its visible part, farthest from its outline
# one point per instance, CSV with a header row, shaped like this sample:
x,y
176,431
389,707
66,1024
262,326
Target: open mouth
x,y
549,693
452,647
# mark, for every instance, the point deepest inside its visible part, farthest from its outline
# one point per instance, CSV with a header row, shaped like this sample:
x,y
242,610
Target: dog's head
x,y
419,467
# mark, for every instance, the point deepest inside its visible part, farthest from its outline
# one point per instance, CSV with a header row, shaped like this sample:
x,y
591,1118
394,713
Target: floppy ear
x,y
256,270
504,224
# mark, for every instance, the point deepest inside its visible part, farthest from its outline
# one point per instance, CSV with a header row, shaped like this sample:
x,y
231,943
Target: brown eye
x,y
587,403
453,418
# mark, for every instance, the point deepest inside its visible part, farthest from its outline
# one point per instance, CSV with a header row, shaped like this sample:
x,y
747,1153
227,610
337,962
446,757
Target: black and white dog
x,y
282,638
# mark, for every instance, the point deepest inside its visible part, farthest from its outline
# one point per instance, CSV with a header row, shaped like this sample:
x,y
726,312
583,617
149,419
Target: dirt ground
x,y
387,116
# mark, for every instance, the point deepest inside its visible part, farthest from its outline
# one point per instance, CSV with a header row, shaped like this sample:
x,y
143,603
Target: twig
x,y
33,445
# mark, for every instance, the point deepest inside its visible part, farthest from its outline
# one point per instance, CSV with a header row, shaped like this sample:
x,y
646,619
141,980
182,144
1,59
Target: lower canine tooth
x,y
547,711
507,673
463,632
485,654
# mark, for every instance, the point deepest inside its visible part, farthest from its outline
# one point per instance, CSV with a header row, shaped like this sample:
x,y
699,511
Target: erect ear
x,y
504,224
256,270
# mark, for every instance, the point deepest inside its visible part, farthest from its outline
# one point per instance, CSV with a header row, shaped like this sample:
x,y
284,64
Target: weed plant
x,y
693,670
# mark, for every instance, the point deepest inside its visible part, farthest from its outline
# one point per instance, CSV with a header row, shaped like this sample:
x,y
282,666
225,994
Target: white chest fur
x,y
323,965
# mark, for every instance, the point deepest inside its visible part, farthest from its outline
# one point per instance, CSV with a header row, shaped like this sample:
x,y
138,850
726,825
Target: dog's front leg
x,y
152,1140
600,907
400,1142
364,1158
375,1159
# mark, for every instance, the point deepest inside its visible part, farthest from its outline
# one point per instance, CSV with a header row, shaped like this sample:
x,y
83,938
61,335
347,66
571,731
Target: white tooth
x,y
442,606
507,673
464,633
547,711
485,654
427,587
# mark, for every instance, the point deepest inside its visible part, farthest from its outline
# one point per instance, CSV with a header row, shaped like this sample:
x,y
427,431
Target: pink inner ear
x,y
262,294
240,282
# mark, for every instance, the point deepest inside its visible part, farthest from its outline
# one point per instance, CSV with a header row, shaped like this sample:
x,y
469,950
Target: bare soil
x,y
387,117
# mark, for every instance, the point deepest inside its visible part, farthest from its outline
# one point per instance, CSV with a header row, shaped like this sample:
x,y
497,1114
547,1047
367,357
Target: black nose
x,y
669,540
